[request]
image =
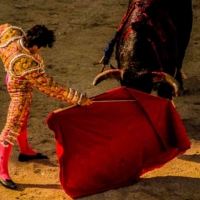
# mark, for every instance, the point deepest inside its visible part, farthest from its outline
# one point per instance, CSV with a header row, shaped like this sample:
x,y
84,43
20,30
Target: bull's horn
x,y
164,77
113,73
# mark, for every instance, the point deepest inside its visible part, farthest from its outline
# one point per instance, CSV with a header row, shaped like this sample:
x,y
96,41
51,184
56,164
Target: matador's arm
x,y
47,85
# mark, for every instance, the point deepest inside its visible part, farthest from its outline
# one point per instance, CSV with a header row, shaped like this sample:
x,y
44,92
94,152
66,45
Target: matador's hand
x,y
85,101
77,98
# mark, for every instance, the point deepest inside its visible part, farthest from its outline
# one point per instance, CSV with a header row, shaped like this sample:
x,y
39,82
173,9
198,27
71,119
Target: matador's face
x,y
35,49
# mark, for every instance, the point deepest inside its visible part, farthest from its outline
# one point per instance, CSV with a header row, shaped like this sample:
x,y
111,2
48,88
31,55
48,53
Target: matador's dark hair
x,y
39,35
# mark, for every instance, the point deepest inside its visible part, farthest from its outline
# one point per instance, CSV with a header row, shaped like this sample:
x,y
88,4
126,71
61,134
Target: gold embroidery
x,y
23,64
10,34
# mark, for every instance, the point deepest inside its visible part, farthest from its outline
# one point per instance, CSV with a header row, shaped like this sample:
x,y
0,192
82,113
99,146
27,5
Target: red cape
x,y
108,145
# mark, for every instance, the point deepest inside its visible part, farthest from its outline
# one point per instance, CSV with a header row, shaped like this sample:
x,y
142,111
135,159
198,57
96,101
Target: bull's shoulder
x,y
23,64
9,33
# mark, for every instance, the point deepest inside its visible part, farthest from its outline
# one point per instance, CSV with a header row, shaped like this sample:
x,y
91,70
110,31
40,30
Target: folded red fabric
x,y
112,142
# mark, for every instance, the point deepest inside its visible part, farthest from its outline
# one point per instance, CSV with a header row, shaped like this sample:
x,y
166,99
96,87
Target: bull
x,y
150,46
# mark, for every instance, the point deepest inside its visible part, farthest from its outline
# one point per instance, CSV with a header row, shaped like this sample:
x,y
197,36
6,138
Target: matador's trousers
x,y
17,116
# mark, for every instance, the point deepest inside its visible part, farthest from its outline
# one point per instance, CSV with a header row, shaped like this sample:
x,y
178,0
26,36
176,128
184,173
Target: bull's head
x,y
136,80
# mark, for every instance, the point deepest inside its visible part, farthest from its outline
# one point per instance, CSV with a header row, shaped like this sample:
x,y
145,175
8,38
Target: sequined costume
x,y
24,72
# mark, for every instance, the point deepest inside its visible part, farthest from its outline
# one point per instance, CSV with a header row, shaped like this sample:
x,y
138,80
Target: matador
x,y
25,71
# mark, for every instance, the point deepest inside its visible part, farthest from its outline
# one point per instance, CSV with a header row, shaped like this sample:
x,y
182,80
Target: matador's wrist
x,y
74,97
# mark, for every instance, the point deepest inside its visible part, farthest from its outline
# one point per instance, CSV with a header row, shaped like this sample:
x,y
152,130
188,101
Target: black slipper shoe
x,y
24,157
8,184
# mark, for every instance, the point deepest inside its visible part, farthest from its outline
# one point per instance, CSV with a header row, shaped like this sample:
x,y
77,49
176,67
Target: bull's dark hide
x,y
152,36
154,46
180,12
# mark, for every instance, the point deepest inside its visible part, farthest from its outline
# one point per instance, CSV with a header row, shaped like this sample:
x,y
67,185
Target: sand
x,y
83,29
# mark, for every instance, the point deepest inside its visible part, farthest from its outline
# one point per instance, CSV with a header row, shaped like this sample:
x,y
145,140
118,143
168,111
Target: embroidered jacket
x,y
26,70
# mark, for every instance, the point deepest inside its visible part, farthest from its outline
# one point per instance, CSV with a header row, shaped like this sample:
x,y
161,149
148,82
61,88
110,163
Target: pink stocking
x,y
22,140
4,159
24,146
